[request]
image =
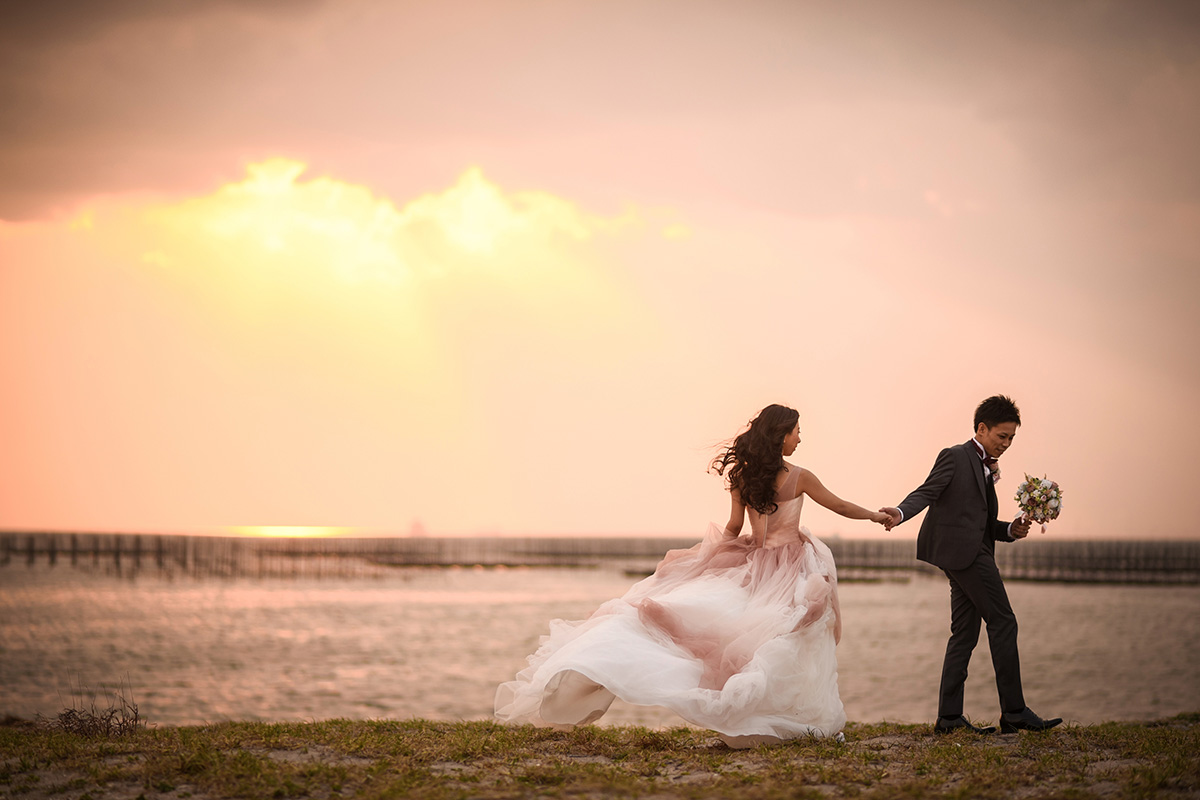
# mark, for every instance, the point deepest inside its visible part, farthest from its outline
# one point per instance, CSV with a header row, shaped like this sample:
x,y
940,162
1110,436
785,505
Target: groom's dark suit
x,y
959,535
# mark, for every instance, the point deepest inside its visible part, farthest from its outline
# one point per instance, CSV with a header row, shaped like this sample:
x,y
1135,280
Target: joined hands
x,y
892,517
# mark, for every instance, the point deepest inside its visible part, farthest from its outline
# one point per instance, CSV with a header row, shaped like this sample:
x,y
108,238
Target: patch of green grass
x,y
384,759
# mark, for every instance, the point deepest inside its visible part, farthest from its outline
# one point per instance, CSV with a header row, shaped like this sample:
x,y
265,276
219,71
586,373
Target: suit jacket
x,y
959,521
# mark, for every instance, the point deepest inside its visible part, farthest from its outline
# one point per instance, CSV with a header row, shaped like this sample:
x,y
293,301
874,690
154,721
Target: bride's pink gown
x,y
734,635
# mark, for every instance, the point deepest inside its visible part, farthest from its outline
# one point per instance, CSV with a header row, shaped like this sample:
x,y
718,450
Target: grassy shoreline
x,y
419,758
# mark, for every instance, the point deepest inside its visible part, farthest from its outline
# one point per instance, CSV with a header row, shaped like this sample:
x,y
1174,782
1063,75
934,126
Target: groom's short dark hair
x,y
995,410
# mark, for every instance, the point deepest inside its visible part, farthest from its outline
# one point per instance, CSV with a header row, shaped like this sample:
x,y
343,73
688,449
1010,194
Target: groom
x,y
959,535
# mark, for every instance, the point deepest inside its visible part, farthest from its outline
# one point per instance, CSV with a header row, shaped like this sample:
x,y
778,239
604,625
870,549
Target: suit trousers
x,y
977,593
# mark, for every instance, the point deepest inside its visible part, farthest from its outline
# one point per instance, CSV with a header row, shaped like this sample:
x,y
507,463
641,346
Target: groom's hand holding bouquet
x,y
1019,528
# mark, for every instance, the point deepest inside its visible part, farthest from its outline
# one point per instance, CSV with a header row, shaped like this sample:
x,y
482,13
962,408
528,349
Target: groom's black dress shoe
x,y
949,724
1026,721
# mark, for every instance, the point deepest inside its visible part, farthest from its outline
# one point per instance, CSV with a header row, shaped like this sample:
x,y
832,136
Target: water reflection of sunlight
x,y
288,530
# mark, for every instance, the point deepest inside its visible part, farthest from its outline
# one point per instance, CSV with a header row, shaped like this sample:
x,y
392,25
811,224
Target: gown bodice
x,y
782,525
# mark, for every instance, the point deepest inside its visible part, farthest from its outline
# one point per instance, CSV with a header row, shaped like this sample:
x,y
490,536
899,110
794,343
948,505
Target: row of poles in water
x,y
1123,561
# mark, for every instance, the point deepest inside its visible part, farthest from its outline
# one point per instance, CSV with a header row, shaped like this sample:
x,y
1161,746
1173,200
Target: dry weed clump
x,y
118,719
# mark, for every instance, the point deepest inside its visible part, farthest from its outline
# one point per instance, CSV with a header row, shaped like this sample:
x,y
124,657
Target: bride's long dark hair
x,y
755,456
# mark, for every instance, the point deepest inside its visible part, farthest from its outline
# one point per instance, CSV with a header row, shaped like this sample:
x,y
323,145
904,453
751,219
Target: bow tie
x,y
990,463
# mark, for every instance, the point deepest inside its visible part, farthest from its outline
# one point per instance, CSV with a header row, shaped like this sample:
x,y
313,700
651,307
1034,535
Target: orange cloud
x,y
275,251
359,237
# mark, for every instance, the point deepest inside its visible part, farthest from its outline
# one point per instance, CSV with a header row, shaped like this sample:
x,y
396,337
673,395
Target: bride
x,y
735,634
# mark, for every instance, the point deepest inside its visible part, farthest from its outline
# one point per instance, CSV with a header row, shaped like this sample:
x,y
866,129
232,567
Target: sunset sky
x,y
517,266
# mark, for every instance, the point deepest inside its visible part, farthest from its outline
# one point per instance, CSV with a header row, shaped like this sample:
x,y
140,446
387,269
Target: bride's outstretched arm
x,y
809,484
737,515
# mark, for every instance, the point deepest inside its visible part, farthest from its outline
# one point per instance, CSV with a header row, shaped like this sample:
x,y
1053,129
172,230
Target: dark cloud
x,y
146,94
33,25
1105,97
51,22
120,96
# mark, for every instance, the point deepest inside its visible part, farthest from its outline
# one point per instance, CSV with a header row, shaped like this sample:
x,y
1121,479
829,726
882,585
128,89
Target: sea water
x,y
435,642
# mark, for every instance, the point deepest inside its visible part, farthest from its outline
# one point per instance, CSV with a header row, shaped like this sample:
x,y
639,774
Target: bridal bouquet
x,y
1040,499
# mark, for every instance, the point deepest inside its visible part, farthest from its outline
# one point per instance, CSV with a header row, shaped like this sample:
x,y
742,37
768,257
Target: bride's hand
x,y
891,517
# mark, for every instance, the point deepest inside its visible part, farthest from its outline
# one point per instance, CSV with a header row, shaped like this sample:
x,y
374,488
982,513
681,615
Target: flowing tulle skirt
x,y
731,636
